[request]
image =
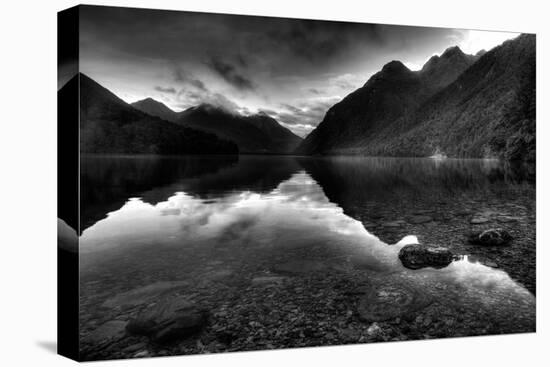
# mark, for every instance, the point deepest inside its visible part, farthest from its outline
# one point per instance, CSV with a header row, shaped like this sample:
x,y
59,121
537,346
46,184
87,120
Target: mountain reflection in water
x,y
222,224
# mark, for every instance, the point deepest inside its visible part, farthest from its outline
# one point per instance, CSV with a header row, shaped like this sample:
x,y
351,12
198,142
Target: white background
x,y
28,157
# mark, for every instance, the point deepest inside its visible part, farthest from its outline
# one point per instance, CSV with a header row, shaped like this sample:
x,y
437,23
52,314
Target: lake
x,y
281,251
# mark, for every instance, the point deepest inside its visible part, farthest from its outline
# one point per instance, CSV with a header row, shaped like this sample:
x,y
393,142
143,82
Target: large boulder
x,y
490,237
417,256
168,321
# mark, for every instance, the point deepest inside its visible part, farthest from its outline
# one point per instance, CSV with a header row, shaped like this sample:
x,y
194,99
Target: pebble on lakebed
x,y
418,256
490,237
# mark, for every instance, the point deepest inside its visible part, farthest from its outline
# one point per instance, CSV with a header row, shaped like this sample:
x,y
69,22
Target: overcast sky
x,y
294,70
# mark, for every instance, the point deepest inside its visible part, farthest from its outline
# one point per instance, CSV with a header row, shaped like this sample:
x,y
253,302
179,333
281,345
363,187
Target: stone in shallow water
x,y
168,321
419,219
507,219
108,332
418,256
390,300
393,224
490,237
268,280
142,295
479,220
375,331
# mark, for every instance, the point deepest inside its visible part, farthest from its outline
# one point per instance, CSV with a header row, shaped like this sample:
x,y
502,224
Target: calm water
x,y
227,229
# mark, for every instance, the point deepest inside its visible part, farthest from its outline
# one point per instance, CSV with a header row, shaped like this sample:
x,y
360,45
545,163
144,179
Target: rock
x,y
142,295
507,219
390,300
393,224
419,219
168,321
108,332
350,334
142,354
418,256
479,220
490,237
374,330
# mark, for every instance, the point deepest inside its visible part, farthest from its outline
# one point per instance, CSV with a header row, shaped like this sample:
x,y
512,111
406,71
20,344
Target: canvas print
x,y
236,183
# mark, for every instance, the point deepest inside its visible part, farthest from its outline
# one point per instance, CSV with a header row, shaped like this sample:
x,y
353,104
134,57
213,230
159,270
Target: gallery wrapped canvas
x,y
235,183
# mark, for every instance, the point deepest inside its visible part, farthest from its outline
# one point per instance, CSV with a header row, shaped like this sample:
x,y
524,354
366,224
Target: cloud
x,y
169,90
347,82
198,84
230,74
182,76
188,98
315,91
303,117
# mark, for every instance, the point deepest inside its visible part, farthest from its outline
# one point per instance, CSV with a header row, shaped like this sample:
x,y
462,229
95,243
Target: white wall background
x,y
28,183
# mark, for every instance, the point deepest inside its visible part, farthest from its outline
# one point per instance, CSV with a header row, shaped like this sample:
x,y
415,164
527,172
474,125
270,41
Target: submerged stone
x,y
479,220
508,219
268,280
490,237
393,224
418,256
168,321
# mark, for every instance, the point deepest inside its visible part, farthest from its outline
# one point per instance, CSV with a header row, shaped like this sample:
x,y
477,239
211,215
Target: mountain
x,y
458,105
387,95
257,133
110,125
155,108
442,70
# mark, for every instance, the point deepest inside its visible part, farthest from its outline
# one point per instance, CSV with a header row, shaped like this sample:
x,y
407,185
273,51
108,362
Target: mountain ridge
x,y
155,108
110,125
272,137
471,106
258,133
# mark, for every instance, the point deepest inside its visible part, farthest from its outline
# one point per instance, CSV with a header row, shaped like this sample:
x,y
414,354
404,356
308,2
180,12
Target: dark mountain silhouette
x,y
387,95
458,105
257,133
155,108
110,125
442,70
253,134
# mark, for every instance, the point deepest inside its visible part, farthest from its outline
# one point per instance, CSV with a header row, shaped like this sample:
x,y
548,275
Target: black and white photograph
x,y
255,183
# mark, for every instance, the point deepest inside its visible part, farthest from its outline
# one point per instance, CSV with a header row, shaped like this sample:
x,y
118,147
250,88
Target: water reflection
x,y
284,243
294,220
108,181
